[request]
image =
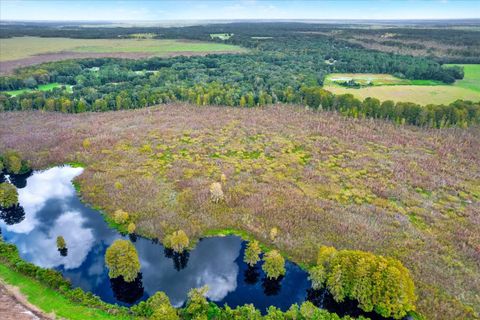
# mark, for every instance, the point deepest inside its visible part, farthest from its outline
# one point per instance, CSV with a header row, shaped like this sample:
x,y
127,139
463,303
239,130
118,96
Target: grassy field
x,y
50,301
387,87
319,178
42,87
24,47
471,80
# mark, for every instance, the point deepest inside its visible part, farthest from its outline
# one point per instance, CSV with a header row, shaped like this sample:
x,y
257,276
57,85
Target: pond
x,y
49,207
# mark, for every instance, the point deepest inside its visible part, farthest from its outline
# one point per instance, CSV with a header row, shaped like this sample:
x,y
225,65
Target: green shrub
x,y
274,264
252,253
178,241
8,195
378,284
14,164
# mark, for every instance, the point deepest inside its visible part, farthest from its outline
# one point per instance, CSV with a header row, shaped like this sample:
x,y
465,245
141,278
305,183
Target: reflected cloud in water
x,y
52,208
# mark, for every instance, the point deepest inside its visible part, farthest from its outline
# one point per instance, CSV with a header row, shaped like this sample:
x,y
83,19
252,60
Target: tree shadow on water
x,y
271,287
63,252
20,180
324,299
180,260
251,275
128,292
12,215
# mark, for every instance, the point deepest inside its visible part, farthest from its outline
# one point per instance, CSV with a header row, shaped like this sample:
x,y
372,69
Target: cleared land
x,y
321,179
42,87
22,51
387,87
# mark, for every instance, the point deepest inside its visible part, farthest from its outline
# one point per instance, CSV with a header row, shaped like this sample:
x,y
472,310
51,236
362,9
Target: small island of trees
x,y
121,259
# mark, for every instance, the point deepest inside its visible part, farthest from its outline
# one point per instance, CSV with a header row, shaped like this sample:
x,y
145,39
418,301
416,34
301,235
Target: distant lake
x,y
49,207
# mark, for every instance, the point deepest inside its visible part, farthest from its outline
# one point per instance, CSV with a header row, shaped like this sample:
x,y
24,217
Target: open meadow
x,y
317,177
388,87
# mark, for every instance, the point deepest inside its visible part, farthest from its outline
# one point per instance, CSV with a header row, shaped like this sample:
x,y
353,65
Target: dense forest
x,y
286,64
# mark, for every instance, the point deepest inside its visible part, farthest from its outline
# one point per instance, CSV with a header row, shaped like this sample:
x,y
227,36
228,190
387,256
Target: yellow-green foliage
x,y
197,305
120,216
131,227
178,241
8,195
162,308
118,185
86,143
216,192
61,244
13,162
274,264
378,283
252,253
273,233
121,259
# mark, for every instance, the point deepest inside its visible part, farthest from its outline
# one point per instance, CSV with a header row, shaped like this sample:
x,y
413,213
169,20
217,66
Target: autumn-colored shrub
x,y
216,192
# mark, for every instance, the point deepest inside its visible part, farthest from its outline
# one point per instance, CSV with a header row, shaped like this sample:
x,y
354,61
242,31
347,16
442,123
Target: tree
x,y
273,233
178,241
8,195
13,162
121,259
61,244
216,192
317,276
161,307
197,305
252,253
86,143
274,264
120,216
378,284
131,228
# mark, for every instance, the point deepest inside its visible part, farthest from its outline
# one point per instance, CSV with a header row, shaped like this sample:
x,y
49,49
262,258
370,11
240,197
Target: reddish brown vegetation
x,y
319,178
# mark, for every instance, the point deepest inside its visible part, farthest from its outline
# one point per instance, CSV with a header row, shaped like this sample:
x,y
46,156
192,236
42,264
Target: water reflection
x,y
271,287
51,208
128,292
12,215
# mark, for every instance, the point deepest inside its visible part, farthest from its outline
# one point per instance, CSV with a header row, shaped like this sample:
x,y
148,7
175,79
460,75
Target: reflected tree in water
x,y
272,287
20,180
128,292
180,260
133,237
63,252
12,215
251,275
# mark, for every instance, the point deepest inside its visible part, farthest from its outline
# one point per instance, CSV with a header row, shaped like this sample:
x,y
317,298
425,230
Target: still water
x,y
52,208
49,207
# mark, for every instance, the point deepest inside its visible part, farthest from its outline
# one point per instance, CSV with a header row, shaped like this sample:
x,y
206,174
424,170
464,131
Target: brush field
x,y
319,178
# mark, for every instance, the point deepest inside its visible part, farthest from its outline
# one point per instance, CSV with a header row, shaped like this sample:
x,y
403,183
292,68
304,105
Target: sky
x,y
114,10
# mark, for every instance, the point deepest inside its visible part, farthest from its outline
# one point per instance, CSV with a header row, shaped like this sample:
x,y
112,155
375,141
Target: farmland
x,y
388,87
23,51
